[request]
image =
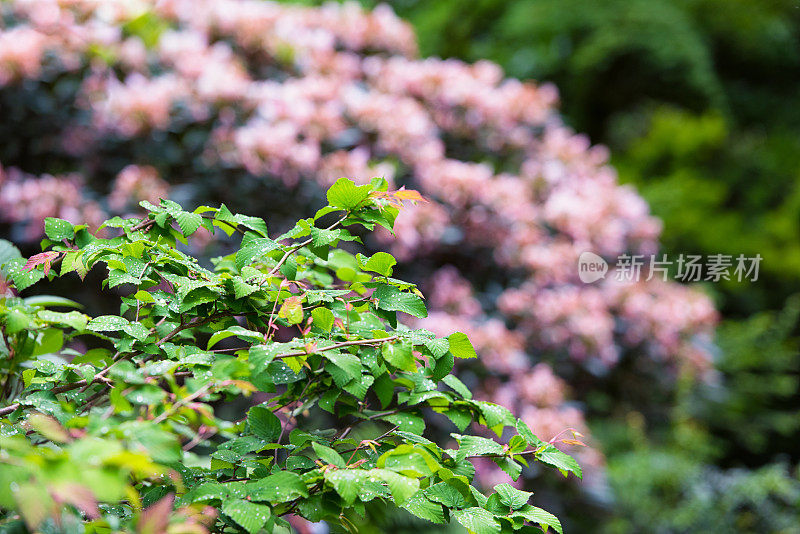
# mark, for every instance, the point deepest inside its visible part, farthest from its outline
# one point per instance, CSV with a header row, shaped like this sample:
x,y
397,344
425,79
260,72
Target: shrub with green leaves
x,y
277,384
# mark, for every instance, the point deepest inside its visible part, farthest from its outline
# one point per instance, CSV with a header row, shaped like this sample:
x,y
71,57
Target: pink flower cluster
x,y
293,93
32,199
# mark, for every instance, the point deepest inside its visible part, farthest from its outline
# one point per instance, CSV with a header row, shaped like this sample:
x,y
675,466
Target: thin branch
x,y
339,346
199,393
297,247
56,390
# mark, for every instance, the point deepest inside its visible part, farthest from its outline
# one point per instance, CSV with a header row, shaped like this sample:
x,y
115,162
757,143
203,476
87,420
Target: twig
x,y
56,390
199,393
297,247
339,346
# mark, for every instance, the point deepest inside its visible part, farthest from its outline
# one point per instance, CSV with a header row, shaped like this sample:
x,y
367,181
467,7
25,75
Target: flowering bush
x,y
262,105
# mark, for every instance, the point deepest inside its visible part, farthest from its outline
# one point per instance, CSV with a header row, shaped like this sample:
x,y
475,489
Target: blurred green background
x,y
697,101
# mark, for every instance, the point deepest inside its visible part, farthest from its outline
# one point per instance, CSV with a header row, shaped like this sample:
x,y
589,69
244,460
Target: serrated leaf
x,y
23,279
458,386
381,263
391,299
402,487
407,422
292,310
250,516
8,252
58,229
539,516
511,467
561,460
238,331
421,507
447,495
437,346
322,237
477,446
349,363
400,355
496,416
346,194
73,319
136,330
263,423
323,318
460,346
107,323
328,455
525,433
347,482
254,250
278,488
188,222
477,520
512,497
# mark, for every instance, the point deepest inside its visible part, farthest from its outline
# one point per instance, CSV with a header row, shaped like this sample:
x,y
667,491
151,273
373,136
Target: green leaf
x,y
458,386
391,299
322,237
512,497
50,342
446,494
238,331
349,363
58,229
107,323
400,355
72,319
347,482
328,400
384,389
539,516
509,466
280,487
256,224
323,318
477,446
460,418
292,310
561,460
525,433
188,222
22,279
381,263
460,346
407,422
242,289
402,487
477,520
255,249
250,516
136,330
328,455
8,252
346,194
437,346
263,423
421,507
52,301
